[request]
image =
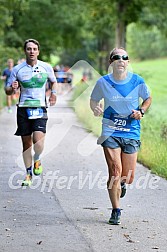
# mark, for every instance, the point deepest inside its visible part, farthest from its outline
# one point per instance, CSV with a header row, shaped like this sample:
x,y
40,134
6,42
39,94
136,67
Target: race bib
x,y
120,123
34,113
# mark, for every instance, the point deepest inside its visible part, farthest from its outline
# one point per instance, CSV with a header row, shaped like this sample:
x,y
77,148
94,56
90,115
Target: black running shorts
x,y
25,126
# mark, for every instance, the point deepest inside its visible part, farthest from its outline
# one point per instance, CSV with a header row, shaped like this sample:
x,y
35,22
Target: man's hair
x,y
33,41
114,51
10,60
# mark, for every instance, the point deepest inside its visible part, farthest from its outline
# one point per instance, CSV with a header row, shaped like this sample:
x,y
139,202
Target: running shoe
x,y
123,189
115,217
27,181
37,168
9,110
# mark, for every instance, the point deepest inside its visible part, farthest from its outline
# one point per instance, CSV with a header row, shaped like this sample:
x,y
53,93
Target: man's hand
x,y
98,110
96,107
12,89
52,99
15,85
136,114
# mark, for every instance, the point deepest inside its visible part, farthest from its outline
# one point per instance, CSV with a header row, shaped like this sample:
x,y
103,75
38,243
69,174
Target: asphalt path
x,y
67,208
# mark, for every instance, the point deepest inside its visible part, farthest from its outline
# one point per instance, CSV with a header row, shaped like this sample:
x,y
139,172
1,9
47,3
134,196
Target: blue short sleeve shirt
x,y
120,98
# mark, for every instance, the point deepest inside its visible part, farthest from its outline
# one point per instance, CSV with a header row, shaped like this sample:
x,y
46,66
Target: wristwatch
x,y
53,91
142,111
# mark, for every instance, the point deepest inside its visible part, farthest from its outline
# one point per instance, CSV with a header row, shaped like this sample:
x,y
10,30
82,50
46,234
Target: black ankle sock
x,y
29,170
117,209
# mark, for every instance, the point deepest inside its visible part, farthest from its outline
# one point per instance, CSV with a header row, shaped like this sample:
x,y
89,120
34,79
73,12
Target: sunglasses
x,y
118,57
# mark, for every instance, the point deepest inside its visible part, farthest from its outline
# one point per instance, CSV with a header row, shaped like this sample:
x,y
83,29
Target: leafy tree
x,y
154,14
8,37
75,29
54,23
113,16
152,40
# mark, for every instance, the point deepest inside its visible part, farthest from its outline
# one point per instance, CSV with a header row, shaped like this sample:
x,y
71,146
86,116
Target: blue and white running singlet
x,y
32,82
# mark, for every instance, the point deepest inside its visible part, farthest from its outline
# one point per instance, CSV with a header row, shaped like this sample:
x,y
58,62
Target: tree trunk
x,y
120,36
104,50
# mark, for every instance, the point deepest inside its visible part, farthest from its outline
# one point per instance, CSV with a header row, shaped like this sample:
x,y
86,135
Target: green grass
x,y
153,125
2,95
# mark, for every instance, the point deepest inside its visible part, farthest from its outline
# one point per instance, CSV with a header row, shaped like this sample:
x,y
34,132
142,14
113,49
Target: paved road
x,y
68,208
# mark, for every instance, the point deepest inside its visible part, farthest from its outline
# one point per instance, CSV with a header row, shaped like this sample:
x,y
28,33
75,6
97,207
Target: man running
x,y
5,76
122,113
31,76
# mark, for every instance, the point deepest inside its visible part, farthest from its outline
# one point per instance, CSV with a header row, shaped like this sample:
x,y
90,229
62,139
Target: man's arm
x,y
136,114
3,77
96,107
12,83
146,104
53,98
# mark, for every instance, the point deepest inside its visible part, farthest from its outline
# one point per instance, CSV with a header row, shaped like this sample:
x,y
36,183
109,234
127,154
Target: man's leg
x,y
27,147
38,141
113,159
27,157
128,167
9,103
128,170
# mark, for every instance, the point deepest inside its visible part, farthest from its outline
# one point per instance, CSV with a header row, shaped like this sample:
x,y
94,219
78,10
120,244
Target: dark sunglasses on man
x,y
118,57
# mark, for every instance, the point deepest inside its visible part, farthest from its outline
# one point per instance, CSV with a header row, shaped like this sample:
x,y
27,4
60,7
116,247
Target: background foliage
x,y
85,29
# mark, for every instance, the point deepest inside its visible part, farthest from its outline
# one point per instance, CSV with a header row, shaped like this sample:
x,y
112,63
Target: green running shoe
x,y
37,168
9,110
27,181
115,217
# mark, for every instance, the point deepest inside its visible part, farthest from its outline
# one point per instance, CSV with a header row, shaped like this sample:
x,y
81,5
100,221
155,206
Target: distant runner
x,y
5,76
